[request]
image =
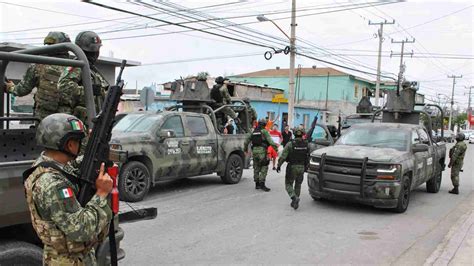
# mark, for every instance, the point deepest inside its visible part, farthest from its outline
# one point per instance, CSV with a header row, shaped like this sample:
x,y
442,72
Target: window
x,y
423,136
271,115
306,120
137,123
196,125
356,91
319,133
415,139
174,123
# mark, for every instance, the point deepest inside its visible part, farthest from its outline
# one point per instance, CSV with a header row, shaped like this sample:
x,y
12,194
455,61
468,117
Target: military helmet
x,y
55,130
55,37
220,80
299,132
262,122
460,136
89,41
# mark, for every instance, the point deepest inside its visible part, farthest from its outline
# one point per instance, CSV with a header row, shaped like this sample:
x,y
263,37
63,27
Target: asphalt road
x,y
202,221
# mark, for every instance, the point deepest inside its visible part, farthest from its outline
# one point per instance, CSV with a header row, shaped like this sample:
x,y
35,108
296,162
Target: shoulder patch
x,y
66,193
70,69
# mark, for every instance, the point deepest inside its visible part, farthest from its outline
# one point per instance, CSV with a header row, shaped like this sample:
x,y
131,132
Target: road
x,y
202,221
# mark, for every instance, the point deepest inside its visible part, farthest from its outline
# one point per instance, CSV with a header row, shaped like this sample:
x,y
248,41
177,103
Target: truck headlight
x,y
314,161
389,172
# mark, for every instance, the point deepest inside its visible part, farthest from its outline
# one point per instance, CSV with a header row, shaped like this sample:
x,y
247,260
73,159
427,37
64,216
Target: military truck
x,y
380,163
184,141
19,244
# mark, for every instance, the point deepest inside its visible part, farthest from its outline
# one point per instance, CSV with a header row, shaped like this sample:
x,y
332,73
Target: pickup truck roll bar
x,y
36,55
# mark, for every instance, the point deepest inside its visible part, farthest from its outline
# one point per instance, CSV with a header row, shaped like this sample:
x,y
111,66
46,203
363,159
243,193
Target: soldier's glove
x,y
9,86
278,169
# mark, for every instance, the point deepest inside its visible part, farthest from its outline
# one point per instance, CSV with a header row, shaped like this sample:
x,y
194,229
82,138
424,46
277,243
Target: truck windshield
x,y
136,123
376,137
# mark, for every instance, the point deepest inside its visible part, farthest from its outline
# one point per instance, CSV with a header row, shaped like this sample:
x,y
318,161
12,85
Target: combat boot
x,y
263,187
295,202
257,185
455,190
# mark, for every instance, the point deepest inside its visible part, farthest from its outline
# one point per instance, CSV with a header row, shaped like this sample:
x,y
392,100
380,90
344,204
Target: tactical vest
x,y
99,87
47,94
257,138
216,93
299,152
47,231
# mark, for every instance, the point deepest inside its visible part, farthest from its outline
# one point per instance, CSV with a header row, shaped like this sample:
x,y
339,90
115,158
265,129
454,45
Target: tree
x,y
460,119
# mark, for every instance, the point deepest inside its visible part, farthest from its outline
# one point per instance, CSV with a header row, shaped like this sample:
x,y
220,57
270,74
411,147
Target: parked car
x,y
471,138
449,135
467,133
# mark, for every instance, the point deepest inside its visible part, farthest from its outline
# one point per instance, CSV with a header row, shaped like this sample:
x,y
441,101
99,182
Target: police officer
x,y
456,155
68,231
296,153
220,94
70,82
44,78
260,140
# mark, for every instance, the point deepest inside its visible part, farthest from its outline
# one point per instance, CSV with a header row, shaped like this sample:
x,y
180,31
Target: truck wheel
x,y
433,185
233,169
404,197
134,182
20,253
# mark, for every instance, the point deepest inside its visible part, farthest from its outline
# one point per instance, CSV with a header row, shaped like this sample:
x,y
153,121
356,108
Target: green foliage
x,y
460,120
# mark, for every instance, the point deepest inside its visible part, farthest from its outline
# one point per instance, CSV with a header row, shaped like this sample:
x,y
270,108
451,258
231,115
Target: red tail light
x,y
113,173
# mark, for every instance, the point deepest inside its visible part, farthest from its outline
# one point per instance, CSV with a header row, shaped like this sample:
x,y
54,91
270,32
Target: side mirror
x,y
322,142
419,148
167,133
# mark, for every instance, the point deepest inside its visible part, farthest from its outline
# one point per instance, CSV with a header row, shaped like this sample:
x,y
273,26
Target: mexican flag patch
x,y
66,193
77,125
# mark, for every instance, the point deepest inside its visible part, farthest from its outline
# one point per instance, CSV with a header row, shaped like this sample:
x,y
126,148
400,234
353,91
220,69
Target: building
x,y
318,90
16,70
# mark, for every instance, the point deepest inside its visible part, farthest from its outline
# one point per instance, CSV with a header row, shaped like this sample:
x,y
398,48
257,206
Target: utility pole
x,y
291,88
327,92
379,60
452,99
402,68
469,109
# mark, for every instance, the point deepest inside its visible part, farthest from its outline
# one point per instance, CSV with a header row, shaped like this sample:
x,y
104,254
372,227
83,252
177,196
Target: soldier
x,y
456,155
68,231
296,153
70,82
220,94
44,78
252,116
260,140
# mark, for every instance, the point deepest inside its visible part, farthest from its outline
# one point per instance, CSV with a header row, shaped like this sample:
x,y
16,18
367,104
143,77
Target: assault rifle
x,y
97,152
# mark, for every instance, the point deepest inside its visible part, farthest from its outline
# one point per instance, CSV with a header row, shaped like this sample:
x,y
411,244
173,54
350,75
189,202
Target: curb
x,y
448,248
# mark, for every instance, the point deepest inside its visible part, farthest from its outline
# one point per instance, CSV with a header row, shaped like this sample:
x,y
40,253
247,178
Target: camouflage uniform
x,y
457,153
68,231
260,140
220,94
45,79
243,118
72,92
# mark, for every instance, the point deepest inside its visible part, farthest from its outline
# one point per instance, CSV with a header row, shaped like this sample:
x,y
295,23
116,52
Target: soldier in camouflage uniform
x,y
68,231
456,155
296,153
44,78
243,117
260,140
70,82
220,94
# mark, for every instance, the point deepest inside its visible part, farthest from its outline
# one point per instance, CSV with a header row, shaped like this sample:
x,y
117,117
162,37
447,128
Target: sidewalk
x,y
457,247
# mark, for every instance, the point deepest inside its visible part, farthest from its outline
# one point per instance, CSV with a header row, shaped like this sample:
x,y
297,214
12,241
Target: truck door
x,y
420,161
203,145
173,164
429,156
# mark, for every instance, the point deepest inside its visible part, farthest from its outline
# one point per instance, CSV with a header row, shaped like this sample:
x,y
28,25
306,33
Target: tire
x,y
234,168
434,184
404,197
134,182
20,253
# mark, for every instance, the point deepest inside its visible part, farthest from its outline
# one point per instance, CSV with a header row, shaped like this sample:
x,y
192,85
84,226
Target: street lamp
x,y
292,39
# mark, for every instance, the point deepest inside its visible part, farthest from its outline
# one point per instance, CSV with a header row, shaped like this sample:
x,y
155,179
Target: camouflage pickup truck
x,y
19,244
380,163
173,144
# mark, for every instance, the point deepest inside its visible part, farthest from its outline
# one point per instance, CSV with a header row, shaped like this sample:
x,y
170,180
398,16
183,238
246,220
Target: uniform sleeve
x,y
269,140
69,89
285,153
79,224
458,150
225,94
29,81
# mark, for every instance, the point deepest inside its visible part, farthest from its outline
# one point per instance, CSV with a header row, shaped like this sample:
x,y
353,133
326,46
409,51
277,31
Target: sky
x,y
336,31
